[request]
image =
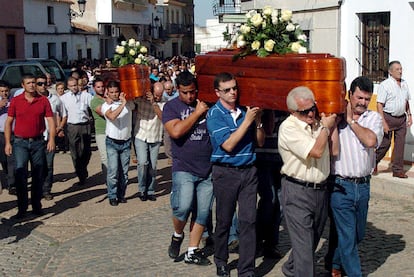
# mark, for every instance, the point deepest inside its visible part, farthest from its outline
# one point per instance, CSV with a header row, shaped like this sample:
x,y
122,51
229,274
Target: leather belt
x,y
31,139
234,166
355,180
312,185
118,141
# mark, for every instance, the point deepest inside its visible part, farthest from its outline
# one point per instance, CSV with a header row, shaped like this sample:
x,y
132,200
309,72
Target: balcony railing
x,y
168,30
221,7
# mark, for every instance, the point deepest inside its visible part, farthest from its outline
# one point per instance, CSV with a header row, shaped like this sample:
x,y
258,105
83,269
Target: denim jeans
x,y
349,203
47,184
25,150
118,164
147,156
185,189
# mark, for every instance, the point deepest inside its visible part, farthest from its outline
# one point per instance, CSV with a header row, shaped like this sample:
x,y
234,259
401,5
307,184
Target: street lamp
x,y
81,5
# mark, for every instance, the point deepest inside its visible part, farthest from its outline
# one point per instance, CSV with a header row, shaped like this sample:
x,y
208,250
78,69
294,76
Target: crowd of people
x,y
257,165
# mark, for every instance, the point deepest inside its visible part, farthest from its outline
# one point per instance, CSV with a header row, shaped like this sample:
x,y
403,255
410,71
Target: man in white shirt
x,y
76,114
56,105
118,142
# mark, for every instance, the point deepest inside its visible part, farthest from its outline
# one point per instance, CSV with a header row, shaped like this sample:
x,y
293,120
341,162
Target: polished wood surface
x,y
134,80
265,82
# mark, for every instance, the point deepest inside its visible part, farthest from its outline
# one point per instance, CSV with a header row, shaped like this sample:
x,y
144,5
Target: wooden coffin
x,y
266,82
134,79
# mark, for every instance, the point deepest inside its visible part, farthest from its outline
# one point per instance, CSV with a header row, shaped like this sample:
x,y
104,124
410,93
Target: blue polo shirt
x,y
220,125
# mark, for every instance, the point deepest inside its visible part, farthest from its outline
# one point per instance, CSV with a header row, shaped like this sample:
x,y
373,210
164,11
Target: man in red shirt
x,y
28,111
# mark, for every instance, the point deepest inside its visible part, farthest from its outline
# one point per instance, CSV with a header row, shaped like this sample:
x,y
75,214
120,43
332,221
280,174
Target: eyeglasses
x,y
41,84
227,90
306,112
194,91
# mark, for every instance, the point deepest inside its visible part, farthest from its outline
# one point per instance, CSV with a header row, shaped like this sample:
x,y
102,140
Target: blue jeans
x,y
118,164
25,150
47,185
147,156
349,203
190,193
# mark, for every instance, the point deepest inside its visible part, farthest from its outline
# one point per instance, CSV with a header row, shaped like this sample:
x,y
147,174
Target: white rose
x,y
302,50
137,43
244,29
255,45
120,50
290,27
286,15
131,42
138,61
275,18
264,24
123,43
250,13
295,46
132,52
240,41
269,44
267,10
143,50
302,37
140,56
256,20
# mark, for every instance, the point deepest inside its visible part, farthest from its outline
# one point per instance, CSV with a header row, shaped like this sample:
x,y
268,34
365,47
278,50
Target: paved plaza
x,y
82,235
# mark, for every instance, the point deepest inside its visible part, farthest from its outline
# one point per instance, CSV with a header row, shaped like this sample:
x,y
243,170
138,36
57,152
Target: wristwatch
x,y
352,122
259,126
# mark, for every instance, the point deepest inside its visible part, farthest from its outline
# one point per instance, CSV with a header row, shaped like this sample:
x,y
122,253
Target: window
x,y
79,54
11,46
64,50
35,50
89,53
375,45
51,50
50,16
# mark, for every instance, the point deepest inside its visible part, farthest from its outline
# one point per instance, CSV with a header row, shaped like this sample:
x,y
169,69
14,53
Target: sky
x,y
203,9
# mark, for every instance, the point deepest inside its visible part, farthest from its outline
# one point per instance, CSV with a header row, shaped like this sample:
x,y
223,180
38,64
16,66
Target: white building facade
x,y
49,34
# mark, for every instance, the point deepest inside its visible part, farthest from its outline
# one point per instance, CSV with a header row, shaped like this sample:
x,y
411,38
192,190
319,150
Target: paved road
x,y
81,235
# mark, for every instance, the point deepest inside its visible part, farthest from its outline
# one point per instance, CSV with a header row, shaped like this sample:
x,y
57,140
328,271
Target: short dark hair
x,y
41,76
96,80
4,84
363,83
113,84
28,76
185,78
222,77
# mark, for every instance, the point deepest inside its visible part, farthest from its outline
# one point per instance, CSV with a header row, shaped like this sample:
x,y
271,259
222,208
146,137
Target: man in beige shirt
x,y
304,148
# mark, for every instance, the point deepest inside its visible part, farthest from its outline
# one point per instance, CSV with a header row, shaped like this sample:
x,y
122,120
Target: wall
x,y
210,37
402,16
11,23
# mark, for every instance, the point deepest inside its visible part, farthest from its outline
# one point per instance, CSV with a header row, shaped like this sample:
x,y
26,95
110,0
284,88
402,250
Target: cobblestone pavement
x,y
81,235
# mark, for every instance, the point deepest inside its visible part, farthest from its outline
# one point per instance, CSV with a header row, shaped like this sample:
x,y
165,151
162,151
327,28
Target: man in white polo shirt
x,y
118,142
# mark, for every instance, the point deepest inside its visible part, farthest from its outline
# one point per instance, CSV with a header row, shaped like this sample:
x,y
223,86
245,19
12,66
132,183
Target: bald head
x,y
158,90
168,87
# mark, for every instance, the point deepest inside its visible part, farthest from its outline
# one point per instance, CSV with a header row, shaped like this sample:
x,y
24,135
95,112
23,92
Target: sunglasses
x,y
227,90
41,84
306,112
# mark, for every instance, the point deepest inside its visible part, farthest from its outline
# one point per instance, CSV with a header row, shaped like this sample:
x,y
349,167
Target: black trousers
x,y
232,186
79,137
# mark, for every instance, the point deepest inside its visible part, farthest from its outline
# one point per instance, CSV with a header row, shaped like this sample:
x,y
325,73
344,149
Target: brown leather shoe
x,y
399,175
336,272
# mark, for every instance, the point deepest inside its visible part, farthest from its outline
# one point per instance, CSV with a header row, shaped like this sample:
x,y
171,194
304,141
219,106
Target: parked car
x,y
12,71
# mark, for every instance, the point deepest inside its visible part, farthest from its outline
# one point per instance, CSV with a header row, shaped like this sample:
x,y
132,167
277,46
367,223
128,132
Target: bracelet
x,y
327,130
352,122
260,126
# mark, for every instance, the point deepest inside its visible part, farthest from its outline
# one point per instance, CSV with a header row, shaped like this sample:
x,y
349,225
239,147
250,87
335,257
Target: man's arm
x,y
7,135
409,117
52,134
113,114
232,141
380,109
321,141
177,128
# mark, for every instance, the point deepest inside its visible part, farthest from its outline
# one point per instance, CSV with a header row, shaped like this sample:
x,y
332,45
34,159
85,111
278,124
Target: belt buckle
x,y
315,187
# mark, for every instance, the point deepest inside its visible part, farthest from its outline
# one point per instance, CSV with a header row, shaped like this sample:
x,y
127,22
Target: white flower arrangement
x,y
270,31
130,52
